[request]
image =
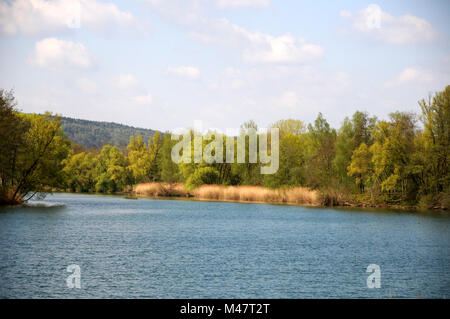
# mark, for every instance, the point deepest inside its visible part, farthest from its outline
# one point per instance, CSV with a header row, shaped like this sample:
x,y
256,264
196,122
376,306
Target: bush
x,y
331,197
432,201
426,202
204,175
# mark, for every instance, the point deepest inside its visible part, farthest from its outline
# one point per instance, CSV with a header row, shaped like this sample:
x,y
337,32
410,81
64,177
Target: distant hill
x,y
92,134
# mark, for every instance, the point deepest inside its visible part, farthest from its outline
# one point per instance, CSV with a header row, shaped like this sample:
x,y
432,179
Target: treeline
x,y
402,160
93,134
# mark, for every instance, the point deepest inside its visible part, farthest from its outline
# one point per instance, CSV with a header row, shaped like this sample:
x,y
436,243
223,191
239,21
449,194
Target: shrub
x,y
202,176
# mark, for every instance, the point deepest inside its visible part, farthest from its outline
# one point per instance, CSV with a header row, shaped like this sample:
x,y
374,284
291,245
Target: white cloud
x,y
405,29
232,4
126,81
31,17
254,46
259,47
143,99
269,49
289,99
409,75
86,86
184,71
234,78
56,54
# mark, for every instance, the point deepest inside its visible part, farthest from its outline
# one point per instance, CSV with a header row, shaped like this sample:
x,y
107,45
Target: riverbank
x,y
258,194
253,194
301,196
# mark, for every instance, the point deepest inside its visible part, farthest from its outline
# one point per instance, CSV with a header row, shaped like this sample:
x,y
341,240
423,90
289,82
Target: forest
x,y
92,134
402,160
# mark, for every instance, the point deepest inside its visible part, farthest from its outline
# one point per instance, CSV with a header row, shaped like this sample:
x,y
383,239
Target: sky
x,y
165,64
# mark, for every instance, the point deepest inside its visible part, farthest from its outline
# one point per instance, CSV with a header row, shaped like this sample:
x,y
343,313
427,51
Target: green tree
x,y
170,171
80,172
111,171
320,148
154,149
290,126
140,159
392,156
31,160
436,142
360,166
352,134
203,175
292,159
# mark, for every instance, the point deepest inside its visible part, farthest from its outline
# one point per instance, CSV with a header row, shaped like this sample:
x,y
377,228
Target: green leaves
x,y
33,149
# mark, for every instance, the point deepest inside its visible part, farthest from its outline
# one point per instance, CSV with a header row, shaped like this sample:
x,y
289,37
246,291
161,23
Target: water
x,y
187,249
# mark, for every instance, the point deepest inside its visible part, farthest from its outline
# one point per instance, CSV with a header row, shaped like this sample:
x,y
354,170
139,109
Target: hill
x,y
93,134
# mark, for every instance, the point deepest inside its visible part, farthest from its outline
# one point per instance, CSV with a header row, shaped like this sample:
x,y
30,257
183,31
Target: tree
x,y
140,159
169,170
12,143
392,155
352,134
33,148
80,172
154,148
360,166
290,126
320,147
248,173
292,159
111,171
436,141
203,175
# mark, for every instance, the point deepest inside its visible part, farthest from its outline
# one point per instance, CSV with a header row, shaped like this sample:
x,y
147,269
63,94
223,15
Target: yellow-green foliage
x,y
394,160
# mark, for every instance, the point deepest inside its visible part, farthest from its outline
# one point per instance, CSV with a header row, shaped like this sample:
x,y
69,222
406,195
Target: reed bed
x,y
295,195
160,189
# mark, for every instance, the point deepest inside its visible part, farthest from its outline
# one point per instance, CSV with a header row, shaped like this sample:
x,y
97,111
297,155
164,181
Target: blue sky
x,y
165,64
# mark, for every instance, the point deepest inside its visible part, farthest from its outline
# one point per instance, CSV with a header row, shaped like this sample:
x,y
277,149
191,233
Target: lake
x,y
190,249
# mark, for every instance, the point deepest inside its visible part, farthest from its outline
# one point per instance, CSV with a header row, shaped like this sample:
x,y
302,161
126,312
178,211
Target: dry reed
x,y
295,195
160,189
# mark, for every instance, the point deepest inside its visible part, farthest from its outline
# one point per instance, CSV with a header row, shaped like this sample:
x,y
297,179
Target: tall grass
x,y
295,195
160,189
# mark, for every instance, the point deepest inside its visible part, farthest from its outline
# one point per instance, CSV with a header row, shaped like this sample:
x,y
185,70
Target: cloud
x,y
405,29
184,71
32,17
233,4
289,99
86,86
257,47
56,54
409,75
143,99
254,46
126,81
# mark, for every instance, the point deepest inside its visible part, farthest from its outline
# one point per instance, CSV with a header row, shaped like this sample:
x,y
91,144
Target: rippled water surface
x,y
187,249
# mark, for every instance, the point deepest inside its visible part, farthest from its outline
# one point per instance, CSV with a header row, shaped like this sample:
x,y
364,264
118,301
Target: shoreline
x,y
355,207
134,196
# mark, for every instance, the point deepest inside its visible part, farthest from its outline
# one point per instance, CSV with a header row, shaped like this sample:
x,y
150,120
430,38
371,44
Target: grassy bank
x,y
259,194
296,195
